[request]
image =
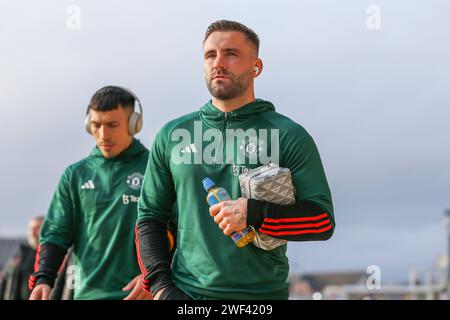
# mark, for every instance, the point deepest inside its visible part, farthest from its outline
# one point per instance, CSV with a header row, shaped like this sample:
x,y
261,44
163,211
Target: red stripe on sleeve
x,y
288,233
295,226
138,251
315,218
36,259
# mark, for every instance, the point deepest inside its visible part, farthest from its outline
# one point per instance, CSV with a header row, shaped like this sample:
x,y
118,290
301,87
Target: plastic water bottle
x,y
219,194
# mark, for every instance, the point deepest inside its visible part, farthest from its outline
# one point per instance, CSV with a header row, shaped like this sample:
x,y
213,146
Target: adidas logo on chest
x,y
88,185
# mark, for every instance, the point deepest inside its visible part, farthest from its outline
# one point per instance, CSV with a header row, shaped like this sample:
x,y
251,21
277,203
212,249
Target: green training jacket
x,y
207,264
95,209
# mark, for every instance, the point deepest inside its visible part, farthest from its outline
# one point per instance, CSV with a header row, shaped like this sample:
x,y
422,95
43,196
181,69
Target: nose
x,y
103,132
219,63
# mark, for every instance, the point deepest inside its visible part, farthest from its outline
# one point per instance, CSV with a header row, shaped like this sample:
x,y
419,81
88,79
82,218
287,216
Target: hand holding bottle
x,y
230,215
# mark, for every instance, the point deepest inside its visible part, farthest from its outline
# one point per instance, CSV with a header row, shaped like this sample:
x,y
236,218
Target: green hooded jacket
x,y
94,209
207,264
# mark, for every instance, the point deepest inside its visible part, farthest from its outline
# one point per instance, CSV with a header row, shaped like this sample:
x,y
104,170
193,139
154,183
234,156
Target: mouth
x,y
106,147
219,77
220,81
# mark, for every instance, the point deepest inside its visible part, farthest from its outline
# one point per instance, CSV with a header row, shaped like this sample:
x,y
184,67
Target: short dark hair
x,y
109,98
227,25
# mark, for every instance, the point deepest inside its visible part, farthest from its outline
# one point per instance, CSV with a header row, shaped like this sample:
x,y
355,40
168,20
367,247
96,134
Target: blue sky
x,y
377,103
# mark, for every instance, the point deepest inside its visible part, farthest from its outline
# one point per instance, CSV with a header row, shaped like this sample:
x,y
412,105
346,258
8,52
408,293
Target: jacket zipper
x,y
221,142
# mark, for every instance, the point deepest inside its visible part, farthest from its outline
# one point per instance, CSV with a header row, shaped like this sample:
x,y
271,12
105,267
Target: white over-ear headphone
x,y
135,122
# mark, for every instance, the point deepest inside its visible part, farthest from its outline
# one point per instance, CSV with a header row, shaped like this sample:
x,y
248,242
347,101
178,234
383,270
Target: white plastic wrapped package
x,y
268,183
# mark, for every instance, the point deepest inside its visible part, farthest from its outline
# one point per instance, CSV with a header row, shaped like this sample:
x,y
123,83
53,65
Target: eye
x,y
210,55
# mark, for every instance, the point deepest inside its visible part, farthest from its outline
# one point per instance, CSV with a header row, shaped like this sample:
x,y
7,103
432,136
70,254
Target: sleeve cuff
x,y
163,280
255,212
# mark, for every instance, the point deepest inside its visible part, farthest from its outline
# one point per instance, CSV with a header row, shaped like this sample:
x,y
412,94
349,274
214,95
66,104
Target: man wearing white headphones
x,y
94,208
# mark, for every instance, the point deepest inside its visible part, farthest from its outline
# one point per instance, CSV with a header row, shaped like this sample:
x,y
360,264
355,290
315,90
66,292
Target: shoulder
x,y
184,122
180,122
78,168
289,129
79,165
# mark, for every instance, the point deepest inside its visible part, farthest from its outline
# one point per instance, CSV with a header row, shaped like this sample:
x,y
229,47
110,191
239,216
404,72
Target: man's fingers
x,y
223,224
218,218
41,292
34,295
214,209
139,294
144,295
133,294
45,294
132,283
227,231
129,286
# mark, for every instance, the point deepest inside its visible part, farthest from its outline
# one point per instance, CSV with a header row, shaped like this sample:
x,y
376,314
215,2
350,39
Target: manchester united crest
x,y
134,180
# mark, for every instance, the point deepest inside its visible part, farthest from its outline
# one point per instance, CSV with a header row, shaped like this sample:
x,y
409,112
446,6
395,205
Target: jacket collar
x,y
215,118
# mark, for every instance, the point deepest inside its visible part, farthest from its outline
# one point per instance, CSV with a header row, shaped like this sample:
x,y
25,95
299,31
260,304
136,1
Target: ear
x,y
258,68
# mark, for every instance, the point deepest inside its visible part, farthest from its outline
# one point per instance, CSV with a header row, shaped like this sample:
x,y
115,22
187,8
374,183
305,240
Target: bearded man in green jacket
x,y
205,143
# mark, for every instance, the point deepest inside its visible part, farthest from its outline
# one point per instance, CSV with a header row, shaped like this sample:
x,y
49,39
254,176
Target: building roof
x,y
320,280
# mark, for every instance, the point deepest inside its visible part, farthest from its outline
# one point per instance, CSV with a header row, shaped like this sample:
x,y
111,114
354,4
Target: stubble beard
x,y
237,87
